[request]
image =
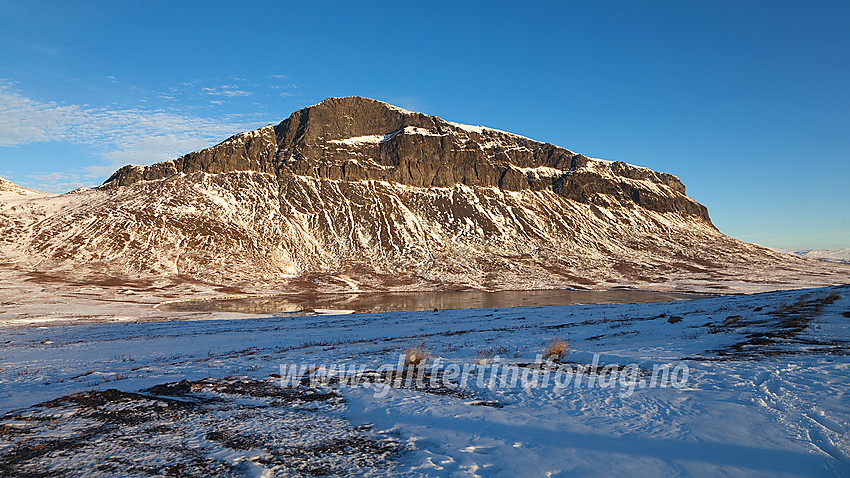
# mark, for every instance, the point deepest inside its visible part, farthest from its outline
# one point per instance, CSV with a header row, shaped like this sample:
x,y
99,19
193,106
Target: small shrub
x,y
416,355
484,356
795,308
556,350
8,431
26,372
832,297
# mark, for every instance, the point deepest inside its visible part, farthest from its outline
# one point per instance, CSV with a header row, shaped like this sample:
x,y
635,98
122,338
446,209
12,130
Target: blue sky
x,y
747,102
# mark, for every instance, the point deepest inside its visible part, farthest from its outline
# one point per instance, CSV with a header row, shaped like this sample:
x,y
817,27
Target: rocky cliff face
x,y
358,139
354,194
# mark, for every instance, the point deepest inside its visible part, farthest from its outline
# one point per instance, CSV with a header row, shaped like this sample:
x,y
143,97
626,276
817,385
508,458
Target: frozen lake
x,y
418,301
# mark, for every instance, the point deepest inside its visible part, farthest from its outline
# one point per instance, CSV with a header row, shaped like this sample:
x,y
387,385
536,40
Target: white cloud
x,y
23,120
226,90
56,182
163,146
119,136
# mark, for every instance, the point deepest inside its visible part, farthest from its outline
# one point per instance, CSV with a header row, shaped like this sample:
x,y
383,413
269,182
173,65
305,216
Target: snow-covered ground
x,y
758,386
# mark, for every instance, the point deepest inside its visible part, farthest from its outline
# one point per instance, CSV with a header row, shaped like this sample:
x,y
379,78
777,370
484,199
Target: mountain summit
x,y
359,139
356,194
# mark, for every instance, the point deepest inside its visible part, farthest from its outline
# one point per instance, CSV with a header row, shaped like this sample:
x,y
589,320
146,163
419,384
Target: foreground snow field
x,y
758,387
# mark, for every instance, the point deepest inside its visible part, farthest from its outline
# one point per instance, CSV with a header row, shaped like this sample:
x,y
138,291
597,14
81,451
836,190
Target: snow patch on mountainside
x,y
420,131
541,171
482,129
248,135
367,139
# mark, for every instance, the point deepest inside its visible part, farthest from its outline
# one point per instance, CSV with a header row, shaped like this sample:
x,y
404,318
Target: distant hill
x,y
829,255
10,190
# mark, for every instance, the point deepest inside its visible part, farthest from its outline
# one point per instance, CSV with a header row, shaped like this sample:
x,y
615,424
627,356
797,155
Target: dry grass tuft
x,y
832,297
416,355
484,356
556,350
806,305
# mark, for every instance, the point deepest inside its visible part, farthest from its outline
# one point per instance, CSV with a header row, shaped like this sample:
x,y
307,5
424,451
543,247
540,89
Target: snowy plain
x,y
766,393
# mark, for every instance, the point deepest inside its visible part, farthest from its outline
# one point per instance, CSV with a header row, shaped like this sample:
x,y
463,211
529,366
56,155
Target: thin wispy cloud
x,y
56,182
118,136
226,90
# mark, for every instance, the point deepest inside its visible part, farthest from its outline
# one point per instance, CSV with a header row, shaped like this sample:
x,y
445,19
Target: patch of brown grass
x,y
416,355
807,305
484,356
556,350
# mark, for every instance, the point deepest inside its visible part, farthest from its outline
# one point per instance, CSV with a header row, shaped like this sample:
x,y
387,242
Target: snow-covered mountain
x,y
830,255
10,190
355,194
